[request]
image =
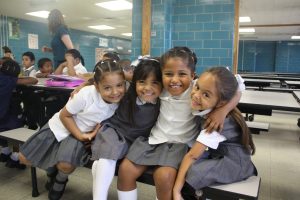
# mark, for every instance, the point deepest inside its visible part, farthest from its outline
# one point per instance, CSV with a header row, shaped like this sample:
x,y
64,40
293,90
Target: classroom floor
x,y
277,160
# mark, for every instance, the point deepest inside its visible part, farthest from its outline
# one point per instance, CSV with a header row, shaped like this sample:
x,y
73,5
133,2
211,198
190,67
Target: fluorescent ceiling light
x,y
295,37
101,27
127,34
116,5
245,19
246,30
42,14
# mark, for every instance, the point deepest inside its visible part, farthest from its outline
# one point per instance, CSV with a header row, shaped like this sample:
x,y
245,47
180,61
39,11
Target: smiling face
x,y
149,89
177,76
204,94
111,87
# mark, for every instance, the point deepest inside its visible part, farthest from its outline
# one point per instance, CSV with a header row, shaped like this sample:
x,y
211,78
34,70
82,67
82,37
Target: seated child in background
x,y
74,64
10,113
227,158
7,52
28,60
45,68
61,142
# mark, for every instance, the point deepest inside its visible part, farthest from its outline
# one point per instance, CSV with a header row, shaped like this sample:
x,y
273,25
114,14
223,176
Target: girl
x,y
134,117
73,66
229,151
45,68
60,143
175,127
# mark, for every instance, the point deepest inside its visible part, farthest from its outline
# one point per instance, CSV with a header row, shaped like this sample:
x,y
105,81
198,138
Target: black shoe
x,y
14,164
56,195
50,182
4,157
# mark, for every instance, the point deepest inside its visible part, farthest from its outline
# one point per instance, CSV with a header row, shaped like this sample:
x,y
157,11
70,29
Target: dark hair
x,y
227,86
42,61
6,49
30,55
182,52
10,67
55,20
141,72
112,55
75,54
106,66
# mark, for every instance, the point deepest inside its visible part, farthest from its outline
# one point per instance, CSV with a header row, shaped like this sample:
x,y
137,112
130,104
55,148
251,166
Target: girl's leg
x,y
61,179
164,179
127,175
103,171
23,159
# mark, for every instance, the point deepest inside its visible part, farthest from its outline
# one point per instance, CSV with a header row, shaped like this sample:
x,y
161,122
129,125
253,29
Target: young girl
x,y
229,151
45,68
175,127
60,143
74,64
134,117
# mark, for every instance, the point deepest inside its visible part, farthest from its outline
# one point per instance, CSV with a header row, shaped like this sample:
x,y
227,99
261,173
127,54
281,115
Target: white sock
x,y
94,166
14,156
127,195
5,150
104,171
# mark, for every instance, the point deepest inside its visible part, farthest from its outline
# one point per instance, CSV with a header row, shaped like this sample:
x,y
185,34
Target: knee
x,y
125,169
165,178
65,167
23,159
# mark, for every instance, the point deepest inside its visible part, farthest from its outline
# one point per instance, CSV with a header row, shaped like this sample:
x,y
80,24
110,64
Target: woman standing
x,y
61,40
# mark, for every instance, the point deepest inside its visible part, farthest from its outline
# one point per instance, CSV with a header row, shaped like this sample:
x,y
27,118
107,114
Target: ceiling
x,y
273,14
79,14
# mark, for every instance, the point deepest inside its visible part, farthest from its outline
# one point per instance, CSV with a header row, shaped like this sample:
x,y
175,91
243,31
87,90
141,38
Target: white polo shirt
x,y
31,72
175,123
79,69
88,109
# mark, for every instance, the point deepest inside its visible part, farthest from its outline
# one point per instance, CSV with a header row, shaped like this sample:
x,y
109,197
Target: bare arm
x,y
60,68
195,152
42,75
27,81
215,120
69,122
67,41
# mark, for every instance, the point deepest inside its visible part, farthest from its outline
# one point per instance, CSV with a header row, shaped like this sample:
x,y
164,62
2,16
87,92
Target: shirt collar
x,y
201,113
140,102
28,69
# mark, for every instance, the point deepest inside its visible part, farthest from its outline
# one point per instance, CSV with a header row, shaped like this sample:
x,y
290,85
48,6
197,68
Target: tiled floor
x,y
277,159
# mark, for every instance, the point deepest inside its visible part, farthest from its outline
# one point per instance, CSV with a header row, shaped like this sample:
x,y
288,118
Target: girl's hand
x,y
90,135
215,120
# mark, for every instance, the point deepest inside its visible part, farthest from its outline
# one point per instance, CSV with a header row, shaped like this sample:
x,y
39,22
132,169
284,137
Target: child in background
x,y
7,52
61,142
110,55
10,112
127,69
134,117
45,68
229,151
74,64
28,60
175,127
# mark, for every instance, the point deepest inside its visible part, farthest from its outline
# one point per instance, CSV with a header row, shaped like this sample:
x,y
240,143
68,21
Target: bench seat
x,y
256,127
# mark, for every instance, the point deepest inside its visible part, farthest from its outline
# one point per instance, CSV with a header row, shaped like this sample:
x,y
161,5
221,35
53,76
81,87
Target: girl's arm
x,y
215,120
42,75
195,152
67,41
60,68
69,122
27,81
